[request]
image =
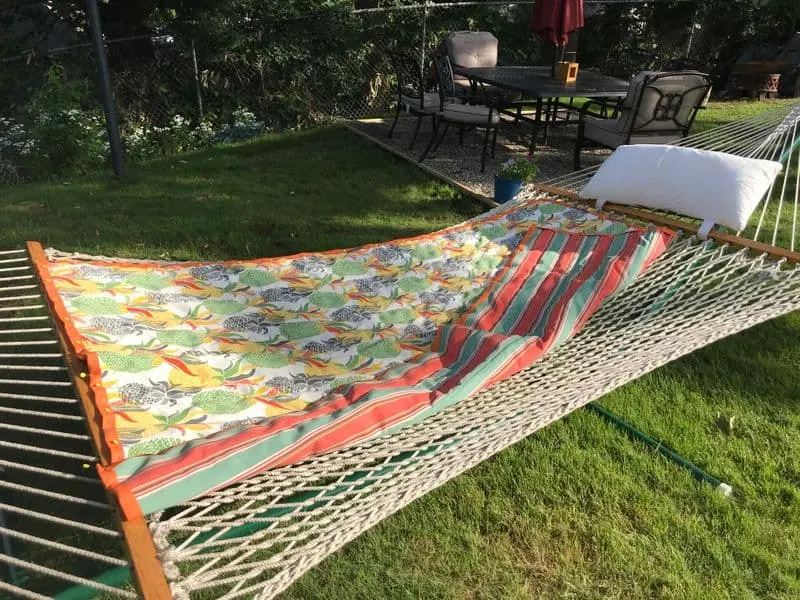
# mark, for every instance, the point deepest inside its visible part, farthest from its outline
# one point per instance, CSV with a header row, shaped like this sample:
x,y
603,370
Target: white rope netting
x,y
56,529
254,538
695,295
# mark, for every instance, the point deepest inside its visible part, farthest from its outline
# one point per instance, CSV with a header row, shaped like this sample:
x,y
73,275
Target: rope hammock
x,y
255,537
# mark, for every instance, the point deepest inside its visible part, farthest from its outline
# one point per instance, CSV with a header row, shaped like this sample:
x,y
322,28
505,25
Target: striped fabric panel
x,y
542,297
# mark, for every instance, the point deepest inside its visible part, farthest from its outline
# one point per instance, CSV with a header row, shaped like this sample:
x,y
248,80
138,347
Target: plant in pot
x,y
514,173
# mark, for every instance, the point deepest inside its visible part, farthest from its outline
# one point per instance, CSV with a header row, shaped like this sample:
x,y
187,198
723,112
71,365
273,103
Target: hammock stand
x,y
255,537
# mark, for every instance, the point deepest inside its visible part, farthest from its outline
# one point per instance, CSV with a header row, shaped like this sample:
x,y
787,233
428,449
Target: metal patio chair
x,y
470,115
659,108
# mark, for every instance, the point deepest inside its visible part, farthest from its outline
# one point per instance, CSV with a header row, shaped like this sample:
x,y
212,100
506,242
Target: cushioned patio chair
x,y
470,115
411,93
659,108
476,49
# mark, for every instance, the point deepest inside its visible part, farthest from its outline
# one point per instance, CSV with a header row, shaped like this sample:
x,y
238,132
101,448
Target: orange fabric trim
x,y
113,446
126,500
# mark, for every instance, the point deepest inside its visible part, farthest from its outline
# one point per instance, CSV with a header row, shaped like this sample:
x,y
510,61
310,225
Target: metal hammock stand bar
x,y
255,537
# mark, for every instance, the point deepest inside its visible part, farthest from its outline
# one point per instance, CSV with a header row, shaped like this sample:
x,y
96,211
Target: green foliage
x,y
625,38
62,132
145,143
521,167
293,63
289,62
59,133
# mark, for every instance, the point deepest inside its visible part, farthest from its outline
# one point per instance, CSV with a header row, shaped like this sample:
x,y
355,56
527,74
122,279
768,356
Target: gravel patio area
x,y
463,163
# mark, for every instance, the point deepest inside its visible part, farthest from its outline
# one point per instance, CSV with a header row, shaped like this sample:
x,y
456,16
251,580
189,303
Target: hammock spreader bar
x,y
691,228
698,473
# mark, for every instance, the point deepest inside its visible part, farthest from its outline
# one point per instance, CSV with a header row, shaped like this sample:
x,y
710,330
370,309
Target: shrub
x,y
244,126
178,135
61,134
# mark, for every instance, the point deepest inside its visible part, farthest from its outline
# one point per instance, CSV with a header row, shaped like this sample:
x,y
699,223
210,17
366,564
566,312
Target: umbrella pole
x,y
557,50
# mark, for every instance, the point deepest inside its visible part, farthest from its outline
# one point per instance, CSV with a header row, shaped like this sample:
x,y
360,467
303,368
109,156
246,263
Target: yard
x,y
577,510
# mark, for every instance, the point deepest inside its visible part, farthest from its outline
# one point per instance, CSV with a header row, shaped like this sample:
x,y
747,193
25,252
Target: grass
x,y
279,195
719,113
577,511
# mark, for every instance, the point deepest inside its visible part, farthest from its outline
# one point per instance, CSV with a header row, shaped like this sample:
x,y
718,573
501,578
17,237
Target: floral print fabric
x,y
187,350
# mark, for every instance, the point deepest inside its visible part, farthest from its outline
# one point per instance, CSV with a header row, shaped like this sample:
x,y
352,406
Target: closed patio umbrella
x,y
555,20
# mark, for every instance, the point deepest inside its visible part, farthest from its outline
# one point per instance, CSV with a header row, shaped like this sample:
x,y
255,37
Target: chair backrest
x,y
663,103
445,79
409,76
471,49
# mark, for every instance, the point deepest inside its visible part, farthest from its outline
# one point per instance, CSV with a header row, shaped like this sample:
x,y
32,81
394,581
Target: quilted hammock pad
x,y
205,373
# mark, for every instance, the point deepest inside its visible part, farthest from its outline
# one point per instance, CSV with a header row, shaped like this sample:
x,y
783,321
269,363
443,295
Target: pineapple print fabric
x,y
186,351
183,351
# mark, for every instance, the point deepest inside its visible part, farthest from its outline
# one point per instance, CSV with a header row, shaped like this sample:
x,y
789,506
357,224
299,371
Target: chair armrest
x,y
603,105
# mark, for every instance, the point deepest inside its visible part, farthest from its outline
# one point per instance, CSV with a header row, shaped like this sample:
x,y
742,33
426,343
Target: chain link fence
x,y
211,82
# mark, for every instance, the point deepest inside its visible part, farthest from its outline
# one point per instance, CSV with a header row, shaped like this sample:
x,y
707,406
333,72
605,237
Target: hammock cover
x,y
206,373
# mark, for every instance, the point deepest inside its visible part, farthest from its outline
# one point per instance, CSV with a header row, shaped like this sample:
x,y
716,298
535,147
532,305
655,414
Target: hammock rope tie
x,y
39,413
47,451
705,228
53,495
59,547
40,431
21,592
38,398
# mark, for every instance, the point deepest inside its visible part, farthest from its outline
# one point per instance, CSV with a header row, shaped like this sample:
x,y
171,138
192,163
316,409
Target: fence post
x,y
693,26
197,86
107,94
422,41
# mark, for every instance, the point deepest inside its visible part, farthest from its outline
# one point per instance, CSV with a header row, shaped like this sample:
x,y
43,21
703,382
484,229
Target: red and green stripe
x,y
545,293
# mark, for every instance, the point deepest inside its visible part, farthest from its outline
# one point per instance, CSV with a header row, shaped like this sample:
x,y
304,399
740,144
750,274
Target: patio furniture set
x,y
470,90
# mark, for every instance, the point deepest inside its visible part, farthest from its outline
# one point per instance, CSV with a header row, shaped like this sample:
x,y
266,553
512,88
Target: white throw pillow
x,y
713,186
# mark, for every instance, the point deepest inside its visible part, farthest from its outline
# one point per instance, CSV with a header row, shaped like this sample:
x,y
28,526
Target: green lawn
x,y
576,511
282,194
719,113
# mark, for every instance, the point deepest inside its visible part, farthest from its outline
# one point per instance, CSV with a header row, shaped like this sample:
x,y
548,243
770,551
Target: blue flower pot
x,y
506,189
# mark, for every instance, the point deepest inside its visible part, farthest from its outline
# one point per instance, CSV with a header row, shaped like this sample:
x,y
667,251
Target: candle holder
x,y
567,71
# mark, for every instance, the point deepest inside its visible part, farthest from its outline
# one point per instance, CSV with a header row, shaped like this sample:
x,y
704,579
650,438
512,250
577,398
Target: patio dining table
x,y
536,83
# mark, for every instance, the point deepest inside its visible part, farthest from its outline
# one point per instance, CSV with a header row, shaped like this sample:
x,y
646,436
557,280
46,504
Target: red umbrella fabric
x,y
554,20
